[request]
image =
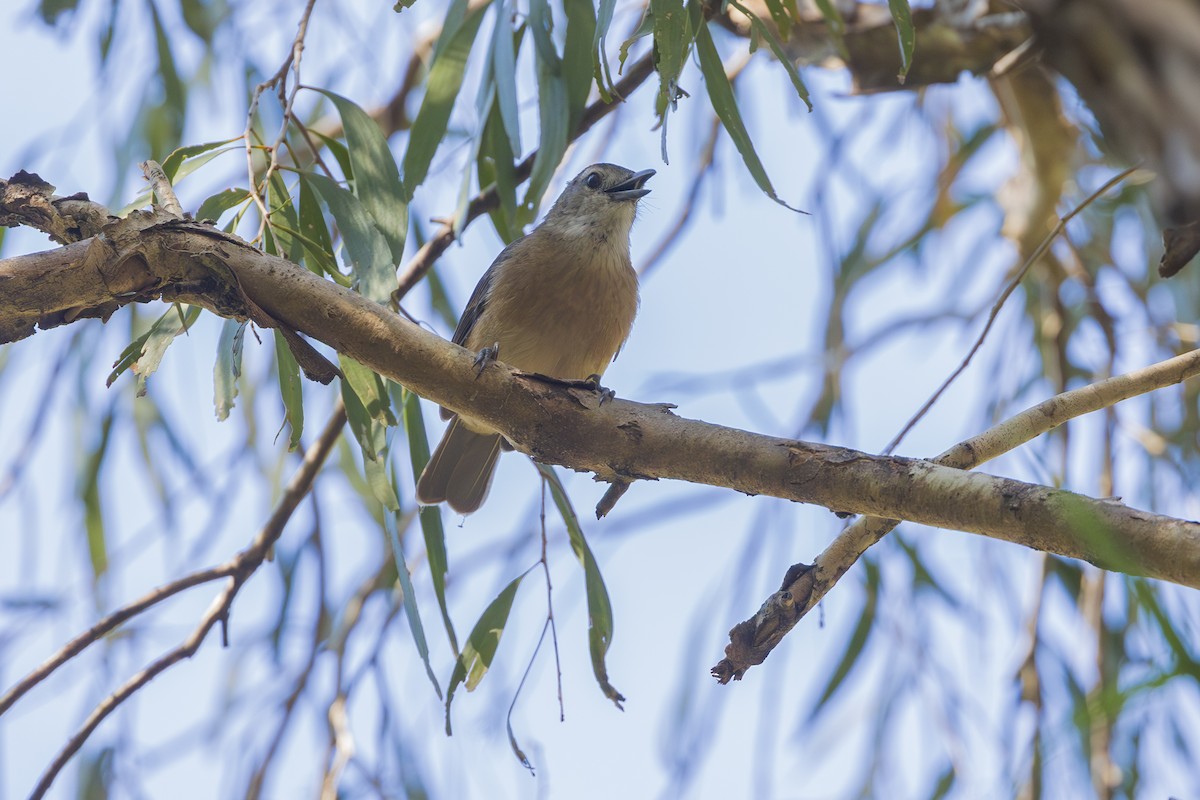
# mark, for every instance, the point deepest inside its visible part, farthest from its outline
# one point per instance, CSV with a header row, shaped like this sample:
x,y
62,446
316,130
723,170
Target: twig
x,y
1008,290
107,624
562,712
279,81
805,585
244,565
316,637
160,185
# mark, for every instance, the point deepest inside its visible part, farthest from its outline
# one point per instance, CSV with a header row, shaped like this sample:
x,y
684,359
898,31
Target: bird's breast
x,y
567,316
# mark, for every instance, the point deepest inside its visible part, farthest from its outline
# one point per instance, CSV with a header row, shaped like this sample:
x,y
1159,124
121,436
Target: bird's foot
x,y
593,382
484,357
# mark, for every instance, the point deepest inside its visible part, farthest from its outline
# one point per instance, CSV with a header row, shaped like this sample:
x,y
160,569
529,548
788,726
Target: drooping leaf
x,y
479,651
552,111
776,46
720,93
902,16
409,600
145,353
778,9
285,219
361,424
290,390
228,368
370,389
495,167
600,68
600,618
577,57
89,492
376,179
504,71
314,233
837,25
430,516
364,245
442,87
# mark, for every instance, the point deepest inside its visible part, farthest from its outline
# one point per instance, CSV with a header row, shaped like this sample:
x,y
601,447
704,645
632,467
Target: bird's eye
x,y
593,181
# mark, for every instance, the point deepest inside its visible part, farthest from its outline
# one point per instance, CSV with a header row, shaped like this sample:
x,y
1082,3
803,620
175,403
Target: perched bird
x,y
559,301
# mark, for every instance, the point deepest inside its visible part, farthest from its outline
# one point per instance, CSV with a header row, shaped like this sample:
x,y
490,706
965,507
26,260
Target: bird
x,y
560,301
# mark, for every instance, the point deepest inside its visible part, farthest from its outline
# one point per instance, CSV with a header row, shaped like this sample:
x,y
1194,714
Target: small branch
x,y
160,185
999,304
804,586
107,625
242,567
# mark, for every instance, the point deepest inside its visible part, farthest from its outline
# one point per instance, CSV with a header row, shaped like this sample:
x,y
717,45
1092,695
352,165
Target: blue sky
x,y
746,285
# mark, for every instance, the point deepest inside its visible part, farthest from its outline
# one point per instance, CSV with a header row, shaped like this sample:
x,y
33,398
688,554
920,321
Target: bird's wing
x,y
478,301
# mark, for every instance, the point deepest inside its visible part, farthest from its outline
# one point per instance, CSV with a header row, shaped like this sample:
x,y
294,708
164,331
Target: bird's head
x,y
599,201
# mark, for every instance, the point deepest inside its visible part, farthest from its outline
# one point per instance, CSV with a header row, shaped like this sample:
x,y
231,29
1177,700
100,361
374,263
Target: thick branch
x,y
619,439
751,641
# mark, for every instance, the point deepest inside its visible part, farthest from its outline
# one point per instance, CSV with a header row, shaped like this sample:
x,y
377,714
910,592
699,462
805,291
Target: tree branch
x,y
619,440
804,586
239,571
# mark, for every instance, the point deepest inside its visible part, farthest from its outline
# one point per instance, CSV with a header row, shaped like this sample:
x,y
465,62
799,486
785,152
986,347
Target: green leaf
x,y
365,247
314,233
89,491
600,68
445,81
51,10
577,57
720,93
672,43
858,639
376,178
476,657
361,424
504,72
409,600
145,353
370,390
837,26
290,389
779,15
340,153
552,113
228,367
376,471
495,166
284,219
600,617
172,162
174,89
216,205
430,516
777,48
902,16
644,28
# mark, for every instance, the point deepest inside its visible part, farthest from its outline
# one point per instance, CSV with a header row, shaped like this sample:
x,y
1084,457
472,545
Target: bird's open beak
x,y
632,188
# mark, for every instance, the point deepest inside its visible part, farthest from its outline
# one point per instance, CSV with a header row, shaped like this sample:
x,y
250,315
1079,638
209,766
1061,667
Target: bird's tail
x,y
460,470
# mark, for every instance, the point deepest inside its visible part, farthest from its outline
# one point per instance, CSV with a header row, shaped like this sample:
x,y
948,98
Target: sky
x,y
745,287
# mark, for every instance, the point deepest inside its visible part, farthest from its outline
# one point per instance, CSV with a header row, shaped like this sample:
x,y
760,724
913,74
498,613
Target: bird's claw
x,y
593,383
484,357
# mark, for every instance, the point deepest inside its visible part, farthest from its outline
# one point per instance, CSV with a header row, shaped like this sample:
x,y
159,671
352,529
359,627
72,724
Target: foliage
x,y
924,205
